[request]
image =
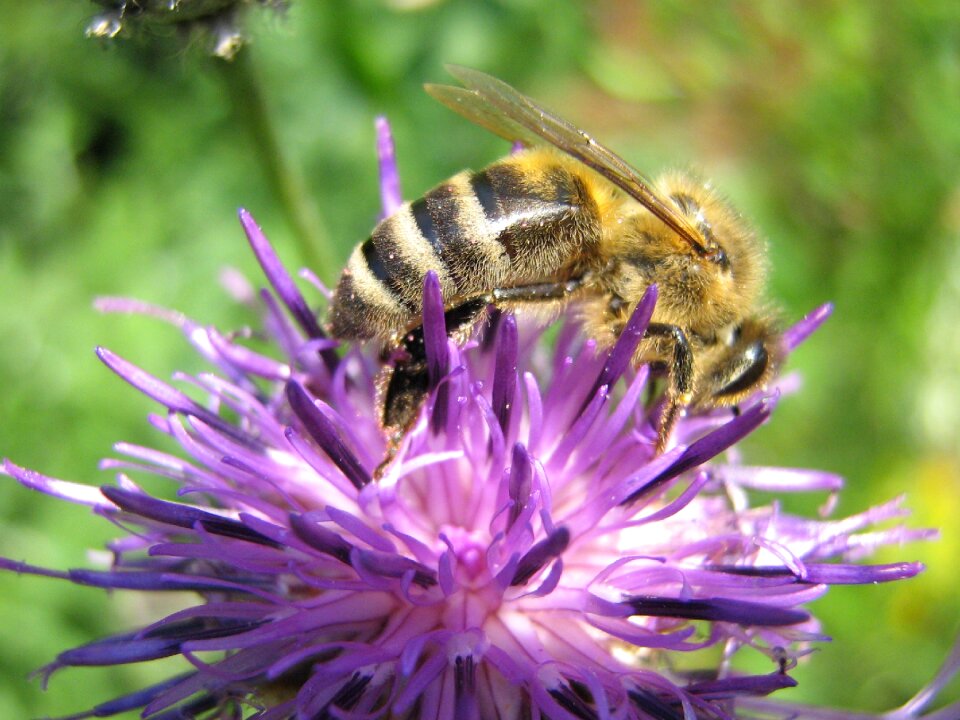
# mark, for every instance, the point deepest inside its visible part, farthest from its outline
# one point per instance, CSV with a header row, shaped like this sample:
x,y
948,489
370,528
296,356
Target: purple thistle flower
x,y
525,555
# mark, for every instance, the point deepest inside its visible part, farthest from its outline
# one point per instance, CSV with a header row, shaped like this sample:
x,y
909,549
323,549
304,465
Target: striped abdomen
x,y
528,218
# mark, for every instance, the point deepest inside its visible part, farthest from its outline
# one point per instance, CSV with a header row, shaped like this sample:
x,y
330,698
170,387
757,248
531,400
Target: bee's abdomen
x,y
515,222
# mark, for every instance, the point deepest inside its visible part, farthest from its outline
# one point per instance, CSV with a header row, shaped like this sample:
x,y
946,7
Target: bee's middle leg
x,y
538,292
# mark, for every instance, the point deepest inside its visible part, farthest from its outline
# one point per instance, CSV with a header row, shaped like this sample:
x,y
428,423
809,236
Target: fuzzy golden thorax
x,y
704,295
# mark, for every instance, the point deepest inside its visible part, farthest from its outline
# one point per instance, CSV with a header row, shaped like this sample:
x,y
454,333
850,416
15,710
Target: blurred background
x,y
833,125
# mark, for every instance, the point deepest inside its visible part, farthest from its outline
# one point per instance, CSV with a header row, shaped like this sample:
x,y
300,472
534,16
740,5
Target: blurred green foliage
x,y
834,125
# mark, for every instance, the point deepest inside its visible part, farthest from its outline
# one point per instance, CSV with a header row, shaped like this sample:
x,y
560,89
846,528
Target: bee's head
x,y
701,287
742,360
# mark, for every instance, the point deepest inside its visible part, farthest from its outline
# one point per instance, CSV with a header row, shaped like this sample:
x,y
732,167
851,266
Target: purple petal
x,y
434,329
540,554
325,692
320,462
278,325
678,503
158,643
777,479
323,432
225,611
619,358
505,372
832,574
185,516
356,527
425,674
441,419
130,306
652,705
710,445
155,581
574,437
435,349
739,686
521,479
22,567
446,565
803,329
390,196
283,284
550,582
534,409
357,650
246,360
465,687
129,702
166,395
319,538
393,566
72,492
740,612
210,685
151,386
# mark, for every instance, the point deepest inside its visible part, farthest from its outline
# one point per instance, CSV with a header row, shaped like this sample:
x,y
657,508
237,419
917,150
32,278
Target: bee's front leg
x,y
680,390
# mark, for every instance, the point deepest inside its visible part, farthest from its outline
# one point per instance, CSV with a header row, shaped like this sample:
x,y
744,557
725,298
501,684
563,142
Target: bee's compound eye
x,y
746,370
719,256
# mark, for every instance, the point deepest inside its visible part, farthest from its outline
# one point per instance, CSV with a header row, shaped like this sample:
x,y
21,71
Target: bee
x,y
564,222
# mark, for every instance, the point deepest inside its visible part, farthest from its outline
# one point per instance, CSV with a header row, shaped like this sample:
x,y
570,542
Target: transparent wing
x,y
475,108
501,109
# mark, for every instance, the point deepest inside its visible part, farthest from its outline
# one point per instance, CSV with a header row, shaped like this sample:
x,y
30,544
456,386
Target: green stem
x,y
286,180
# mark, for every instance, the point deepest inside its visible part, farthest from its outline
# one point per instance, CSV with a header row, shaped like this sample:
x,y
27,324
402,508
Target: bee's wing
x,y
496,106
476,108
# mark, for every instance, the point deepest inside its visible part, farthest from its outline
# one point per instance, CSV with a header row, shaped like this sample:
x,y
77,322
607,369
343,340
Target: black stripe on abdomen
x,y
511,201
374,262
428,229
385,260
450,235
439,217
487,195
503,193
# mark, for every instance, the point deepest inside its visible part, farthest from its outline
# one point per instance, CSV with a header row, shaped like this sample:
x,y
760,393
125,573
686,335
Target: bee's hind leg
x,y
407,382
404,385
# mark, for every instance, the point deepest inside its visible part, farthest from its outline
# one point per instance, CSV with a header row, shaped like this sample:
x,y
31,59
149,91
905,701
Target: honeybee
x,y
565,221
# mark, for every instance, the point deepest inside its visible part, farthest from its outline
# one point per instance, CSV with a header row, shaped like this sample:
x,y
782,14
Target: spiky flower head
x,y
527,554
218,22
